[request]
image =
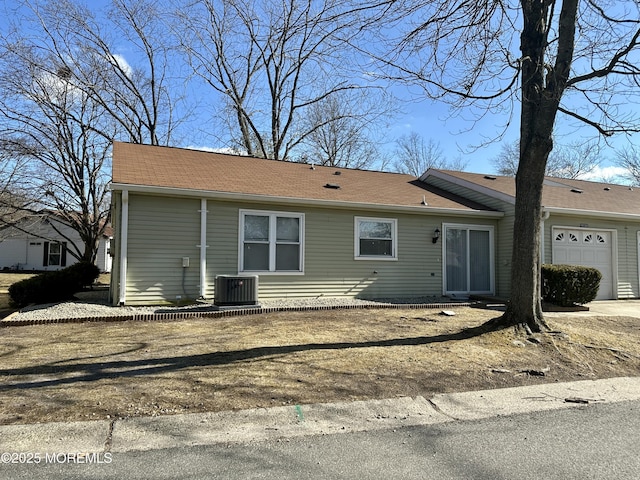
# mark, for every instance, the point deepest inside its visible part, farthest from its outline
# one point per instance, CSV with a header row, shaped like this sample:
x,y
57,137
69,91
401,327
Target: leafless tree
x,y
275,64
629,159
577,59
415,156
133,90
341,131
66,94
14,197
51,126
565,161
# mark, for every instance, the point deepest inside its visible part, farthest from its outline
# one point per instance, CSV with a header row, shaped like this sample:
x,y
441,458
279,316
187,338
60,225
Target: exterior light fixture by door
x,y
436,235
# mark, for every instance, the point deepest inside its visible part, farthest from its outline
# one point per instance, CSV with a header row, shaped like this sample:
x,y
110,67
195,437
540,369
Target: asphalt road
x,y
597,441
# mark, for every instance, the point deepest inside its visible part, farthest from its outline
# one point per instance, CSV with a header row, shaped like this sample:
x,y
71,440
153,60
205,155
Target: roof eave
x,y
247,197
592,213
470,185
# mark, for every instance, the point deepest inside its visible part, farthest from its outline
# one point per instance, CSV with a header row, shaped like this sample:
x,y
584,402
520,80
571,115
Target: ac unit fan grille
x,y
236,290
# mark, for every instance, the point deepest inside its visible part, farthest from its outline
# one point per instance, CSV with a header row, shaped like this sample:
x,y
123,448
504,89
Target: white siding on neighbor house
x,y
503,233
103,259
625,250
14,254
22,251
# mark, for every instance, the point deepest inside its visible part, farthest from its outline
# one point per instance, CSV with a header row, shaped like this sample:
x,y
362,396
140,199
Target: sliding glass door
x,y
468,259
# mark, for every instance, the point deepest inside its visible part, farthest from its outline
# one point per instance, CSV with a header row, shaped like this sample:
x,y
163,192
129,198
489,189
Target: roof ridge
x,y
251,157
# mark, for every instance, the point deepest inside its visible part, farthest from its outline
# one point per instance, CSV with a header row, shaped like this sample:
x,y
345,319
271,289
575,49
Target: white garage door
x,y
591,248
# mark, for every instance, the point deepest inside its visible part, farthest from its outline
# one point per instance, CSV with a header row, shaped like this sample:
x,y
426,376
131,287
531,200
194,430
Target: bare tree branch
x,y
274,62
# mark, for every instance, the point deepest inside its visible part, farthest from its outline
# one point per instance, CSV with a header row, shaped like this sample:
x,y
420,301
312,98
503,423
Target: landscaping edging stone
x,y
205,312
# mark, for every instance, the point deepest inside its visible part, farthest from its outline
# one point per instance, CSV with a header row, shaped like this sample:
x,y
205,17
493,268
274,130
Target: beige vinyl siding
x,y
222,242
330,268
504,229
626,248
161,232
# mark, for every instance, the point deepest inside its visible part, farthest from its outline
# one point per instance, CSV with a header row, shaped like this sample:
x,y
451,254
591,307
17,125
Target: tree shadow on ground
x,y
91,372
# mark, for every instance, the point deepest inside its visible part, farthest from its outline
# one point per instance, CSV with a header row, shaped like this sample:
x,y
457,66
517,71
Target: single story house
x,y
41,244
183,218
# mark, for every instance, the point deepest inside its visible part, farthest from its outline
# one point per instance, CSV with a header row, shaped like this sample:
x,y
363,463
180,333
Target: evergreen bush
x,y
52,287
567,285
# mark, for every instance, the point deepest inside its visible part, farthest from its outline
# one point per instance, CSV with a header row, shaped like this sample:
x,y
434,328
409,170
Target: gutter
x,y
247,197
592,213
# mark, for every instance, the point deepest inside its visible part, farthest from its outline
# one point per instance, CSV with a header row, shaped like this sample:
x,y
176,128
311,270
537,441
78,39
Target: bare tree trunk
x,y
525,302
542,88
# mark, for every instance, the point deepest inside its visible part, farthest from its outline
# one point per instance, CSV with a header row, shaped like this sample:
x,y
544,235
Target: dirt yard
x,y
116,370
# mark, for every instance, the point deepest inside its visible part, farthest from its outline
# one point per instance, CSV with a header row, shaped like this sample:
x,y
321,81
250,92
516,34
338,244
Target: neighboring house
x,y
43,248
182,217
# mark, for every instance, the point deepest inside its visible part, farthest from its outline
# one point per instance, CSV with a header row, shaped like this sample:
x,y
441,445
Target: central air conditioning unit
x,y
236,290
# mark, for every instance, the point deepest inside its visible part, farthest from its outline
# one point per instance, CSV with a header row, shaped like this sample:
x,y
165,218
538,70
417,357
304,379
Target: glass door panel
x,y
456,260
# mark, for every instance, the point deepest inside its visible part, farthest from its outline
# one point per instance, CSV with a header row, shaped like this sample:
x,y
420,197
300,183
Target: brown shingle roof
x,y
565,193
177,168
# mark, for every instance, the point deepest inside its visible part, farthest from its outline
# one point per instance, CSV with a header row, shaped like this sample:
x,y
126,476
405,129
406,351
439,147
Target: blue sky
x,y
458,134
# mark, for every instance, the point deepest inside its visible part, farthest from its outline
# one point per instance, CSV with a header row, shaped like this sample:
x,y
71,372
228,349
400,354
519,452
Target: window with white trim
x,y
376,238
55,254
271,241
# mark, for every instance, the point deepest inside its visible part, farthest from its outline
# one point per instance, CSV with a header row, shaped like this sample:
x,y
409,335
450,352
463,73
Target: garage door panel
x,y
575,257
587,248
560,256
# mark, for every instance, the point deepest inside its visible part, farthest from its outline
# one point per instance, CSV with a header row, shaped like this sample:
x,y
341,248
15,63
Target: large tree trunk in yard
x,y
525,302
542,87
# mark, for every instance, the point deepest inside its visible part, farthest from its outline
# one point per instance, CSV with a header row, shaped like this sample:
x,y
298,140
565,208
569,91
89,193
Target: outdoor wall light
x,y
436,235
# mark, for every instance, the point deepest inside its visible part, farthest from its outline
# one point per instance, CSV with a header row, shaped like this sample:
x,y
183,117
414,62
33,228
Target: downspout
x,y
203,247
545,216
124,233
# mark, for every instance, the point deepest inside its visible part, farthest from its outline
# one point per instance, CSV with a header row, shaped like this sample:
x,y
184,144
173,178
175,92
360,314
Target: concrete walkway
x,y
149,433
617,308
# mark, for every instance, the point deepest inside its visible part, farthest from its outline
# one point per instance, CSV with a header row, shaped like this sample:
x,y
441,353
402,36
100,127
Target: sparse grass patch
x,y
99,370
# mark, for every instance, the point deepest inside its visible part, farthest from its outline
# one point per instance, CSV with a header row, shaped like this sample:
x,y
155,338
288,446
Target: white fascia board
x,y
246,197
470,185
593,213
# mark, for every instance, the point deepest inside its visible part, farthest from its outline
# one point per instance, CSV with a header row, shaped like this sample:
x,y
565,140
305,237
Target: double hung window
x,y
376,238
271,241
55,254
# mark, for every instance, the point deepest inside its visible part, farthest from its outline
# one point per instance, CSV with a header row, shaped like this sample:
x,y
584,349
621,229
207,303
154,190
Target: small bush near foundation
x,y
567,285
52,287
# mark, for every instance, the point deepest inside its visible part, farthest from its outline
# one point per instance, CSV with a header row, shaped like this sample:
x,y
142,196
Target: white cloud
x,y
609,173
226,150
122,63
